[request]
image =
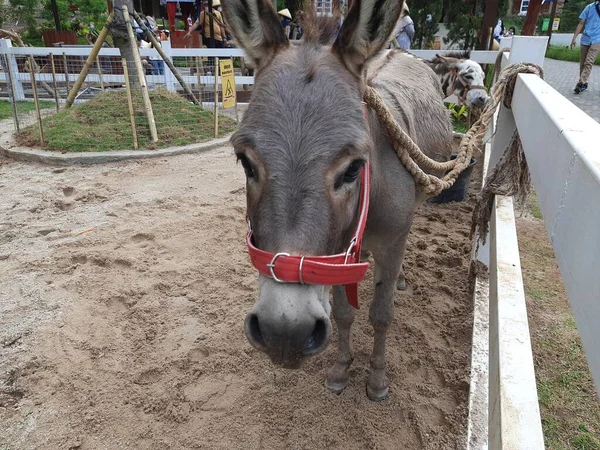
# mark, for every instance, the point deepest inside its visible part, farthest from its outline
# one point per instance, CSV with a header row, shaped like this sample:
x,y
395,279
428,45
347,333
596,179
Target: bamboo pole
x,y
88,63
130,104
198,75
141,77
100,73
216,97
237,117
12,93
56,98
165,58
64,55
37,102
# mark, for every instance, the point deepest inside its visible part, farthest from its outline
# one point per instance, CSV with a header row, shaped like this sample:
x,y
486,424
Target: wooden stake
x,y
199,81
88,63
100,73
165,58
216,97
66,70
54,85
12,93
141,77
37,102
130,104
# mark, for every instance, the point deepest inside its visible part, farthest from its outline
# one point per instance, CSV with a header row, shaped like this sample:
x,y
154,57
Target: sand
x,y
123,290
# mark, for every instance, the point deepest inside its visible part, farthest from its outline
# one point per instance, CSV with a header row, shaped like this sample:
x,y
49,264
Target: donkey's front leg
x,y
343,313
388,266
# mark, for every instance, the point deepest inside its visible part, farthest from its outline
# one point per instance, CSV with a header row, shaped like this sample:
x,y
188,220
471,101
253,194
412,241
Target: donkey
x,y
314,159
461,76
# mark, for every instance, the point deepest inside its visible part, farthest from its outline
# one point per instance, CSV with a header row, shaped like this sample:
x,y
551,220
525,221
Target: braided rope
x,y
413,158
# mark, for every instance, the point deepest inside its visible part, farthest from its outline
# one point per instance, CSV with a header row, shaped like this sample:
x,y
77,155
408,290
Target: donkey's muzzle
x,y
289,322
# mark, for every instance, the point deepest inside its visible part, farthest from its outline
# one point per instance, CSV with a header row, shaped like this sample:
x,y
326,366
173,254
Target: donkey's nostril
x,y
317,339
253,331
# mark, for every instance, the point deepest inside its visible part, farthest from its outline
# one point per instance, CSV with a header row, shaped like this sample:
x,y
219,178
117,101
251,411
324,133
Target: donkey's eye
x,y
351,173
246,165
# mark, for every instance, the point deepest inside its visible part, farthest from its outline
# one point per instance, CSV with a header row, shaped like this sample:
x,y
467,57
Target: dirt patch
x,y
122,298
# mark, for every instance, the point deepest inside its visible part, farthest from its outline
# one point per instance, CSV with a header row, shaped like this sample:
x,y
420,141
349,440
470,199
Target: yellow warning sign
x,y
228,84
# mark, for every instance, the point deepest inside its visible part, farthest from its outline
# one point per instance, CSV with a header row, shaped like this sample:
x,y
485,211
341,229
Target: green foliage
x,y
87,11
565,54
459,115
425,31
463,24
458,112
569,18
24,12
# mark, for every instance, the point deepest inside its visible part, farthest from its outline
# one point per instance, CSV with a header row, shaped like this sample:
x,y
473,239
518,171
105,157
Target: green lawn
x,y
103,124
565,54
570,410
22,107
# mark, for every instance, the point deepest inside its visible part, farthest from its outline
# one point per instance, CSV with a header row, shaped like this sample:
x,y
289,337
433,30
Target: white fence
x,y
168,79
560,143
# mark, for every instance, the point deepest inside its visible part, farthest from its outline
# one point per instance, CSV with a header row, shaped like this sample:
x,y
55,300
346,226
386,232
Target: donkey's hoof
x,y
401,285
335,387
377,395
337,377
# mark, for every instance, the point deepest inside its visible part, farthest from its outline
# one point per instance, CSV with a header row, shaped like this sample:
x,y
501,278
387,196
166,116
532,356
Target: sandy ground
x,y
123,290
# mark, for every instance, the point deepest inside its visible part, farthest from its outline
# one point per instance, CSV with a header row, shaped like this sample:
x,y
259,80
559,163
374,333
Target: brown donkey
x,y
307,145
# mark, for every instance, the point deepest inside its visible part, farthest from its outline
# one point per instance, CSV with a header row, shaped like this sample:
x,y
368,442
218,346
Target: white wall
x,y
563,39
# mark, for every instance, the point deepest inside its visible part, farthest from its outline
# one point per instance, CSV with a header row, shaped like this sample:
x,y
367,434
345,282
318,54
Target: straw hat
x,y
284,12
216,3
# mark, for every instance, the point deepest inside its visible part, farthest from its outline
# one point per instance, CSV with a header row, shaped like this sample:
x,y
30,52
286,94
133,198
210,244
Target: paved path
x,y
563,76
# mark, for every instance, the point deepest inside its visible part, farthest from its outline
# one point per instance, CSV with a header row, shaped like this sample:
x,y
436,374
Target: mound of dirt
x,y
103,124
122,300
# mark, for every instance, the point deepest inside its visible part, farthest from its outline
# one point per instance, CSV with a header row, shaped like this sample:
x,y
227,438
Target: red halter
x,y
343,269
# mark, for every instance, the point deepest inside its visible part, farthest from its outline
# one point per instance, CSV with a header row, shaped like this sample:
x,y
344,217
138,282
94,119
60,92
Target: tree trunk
x,y
533,12
121,39
510,6
490,18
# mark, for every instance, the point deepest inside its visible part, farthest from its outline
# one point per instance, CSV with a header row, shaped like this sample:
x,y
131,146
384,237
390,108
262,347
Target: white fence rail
x,y
168,79
560,143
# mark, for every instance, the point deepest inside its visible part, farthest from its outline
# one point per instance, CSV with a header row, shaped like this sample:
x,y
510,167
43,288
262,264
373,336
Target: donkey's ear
x,y
366,30
256,27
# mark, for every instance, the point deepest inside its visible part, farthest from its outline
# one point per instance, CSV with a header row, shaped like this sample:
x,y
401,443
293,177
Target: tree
x,y
569,17
533,12
463,24
425,29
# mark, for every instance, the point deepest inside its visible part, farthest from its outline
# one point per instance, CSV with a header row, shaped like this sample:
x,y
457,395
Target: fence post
x,y
13,102
36,100
13,70
130,103
141,77
54,85
216,97
169,76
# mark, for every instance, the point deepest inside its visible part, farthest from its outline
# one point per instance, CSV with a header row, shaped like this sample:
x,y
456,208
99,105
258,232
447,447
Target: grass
x,y
569,407
565,54
103,124
22,107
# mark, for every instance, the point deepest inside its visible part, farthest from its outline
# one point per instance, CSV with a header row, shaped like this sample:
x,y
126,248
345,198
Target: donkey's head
x,y
303,143
463,77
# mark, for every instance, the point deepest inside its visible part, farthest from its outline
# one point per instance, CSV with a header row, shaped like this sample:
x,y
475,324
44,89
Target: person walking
x,y
211,41
589,22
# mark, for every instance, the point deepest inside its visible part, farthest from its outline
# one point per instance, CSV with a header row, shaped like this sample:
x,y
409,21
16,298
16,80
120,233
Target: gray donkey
x,y
305,143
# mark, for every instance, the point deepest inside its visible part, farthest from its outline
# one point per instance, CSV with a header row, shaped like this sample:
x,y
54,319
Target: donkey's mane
x,y
318,30
458,54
